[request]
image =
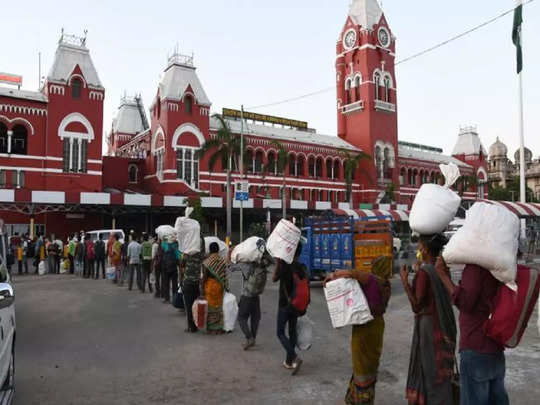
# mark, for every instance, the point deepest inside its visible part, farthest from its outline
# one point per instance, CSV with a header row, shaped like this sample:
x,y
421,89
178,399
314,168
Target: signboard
x,y
241,190
8,78
227,112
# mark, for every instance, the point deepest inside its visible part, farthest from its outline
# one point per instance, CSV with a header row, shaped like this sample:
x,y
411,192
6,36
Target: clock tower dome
x,y
366,94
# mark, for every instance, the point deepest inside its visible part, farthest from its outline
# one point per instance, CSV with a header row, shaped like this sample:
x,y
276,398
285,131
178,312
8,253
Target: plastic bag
x,y
110,272
489,239
230,312
41,268
434,207
178,299
188,232
64,266
283,241
304,333
249,251
347,303
223,248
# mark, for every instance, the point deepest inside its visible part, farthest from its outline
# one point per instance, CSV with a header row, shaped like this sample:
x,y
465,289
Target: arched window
x,y
402,176
188,103
19,140
377,83
357,87
348,91
272,167
300,163
250,161
3,138
258,161
387,89
319,167
76,86
386,164
329,167
337,169
410,177
379,161
133,173
311,167
292,165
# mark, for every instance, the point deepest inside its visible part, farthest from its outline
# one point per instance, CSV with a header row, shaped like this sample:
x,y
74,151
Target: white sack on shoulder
x,y
435,206
347,303
223,248
163,231
249,251
283,241
489,239
188,232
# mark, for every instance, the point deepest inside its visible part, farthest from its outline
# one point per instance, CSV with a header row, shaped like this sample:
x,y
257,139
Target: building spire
x,y
365,13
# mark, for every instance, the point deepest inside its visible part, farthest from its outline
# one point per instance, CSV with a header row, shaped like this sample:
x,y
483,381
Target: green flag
x,y
516,34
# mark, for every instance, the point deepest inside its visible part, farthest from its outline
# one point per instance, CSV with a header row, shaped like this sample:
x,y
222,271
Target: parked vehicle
x,y
7,325
337,243
105,234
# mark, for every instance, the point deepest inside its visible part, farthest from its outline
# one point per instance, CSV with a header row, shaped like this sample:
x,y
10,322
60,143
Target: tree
x,y
198,211
465,183
282,161
350,164
511,192
223,147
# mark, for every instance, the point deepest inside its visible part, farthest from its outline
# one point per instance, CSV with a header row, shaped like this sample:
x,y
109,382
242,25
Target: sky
x,y
252,52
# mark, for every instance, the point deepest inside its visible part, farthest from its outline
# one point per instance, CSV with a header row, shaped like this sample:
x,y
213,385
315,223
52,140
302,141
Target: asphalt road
x,y
87,342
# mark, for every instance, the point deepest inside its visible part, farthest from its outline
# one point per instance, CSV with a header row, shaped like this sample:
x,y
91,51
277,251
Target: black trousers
x,y
71,264
169,282
191,293
145,274
100,262
134,271
249,308
88,268
157,274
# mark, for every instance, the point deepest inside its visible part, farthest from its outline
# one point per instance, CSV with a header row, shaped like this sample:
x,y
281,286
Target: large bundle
x,y
489,239
347,303
230,312
283,241
435,206
250,250
223,248
188,232
165,231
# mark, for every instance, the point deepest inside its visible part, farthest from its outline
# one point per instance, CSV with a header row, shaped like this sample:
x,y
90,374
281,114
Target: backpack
x,y
513,309
90,251
146,250
301,296
30,249
256,281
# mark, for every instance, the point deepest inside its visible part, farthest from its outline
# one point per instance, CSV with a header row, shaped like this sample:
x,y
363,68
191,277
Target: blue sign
x,y
241,192
241,196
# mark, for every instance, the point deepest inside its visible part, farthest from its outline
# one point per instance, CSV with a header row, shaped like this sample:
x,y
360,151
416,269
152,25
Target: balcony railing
x,y
384,106
353,107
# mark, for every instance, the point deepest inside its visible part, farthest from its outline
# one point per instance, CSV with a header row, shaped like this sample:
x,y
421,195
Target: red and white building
x,y
51,165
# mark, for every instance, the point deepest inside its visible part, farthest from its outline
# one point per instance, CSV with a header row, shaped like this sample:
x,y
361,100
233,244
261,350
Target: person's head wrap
x,y
382,267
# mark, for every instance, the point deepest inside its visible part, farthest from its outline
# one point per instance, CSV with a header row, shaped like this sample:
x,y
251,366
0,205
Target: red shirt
x,y
425,303
474,298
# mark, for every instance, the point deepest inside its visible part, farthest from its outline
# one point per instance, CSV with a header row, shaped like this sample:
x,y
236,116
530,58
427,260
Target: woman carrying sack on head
x,y
367,339
216,283
432,362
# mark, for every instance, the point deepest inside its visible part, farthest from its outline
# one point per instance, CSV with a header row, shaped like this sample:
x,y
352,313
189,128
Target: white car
x,y
105,234
7,327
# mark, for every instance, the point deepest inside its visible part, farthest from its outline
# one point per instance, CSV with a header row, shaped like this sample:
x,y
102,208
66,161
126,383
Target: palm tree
x,y
465,183
282,160
350,164
224,147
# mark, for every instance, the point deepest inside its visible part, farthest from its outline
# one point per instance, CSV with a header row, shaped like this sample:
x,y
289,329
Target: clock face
x,y
384,37
350,39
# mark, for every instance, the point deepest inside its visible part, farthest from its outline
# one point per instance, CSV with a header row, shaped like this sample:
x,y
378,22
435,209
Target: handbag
x,y
456,388
178,299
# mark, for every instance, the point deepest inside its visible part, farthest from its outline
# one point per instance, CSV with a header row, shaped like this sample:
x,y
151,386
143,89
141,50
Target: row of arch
x,y
380,79
298,194
417,177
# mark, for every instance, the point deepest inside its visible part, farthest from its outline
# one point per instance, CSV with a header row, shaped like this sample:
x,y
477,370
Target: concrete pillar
x,y
10,135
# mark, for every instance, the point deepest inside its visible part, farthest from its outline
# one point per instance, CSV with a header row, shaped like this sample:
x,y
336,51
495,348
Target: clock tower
x,y
366,95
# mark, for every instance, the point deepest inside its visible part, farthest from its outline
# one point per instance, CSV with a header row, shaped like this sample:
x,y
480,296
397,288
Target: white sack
x,y
111,273
250,250
230,312
435,206
41,268
283,241
188,232
489,239
304,333
347,303
223,248
163,231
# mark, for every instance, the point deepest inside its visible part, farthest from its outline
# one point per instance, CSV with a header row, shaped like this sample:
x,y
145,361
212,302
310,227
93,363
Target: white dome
x,y
498,149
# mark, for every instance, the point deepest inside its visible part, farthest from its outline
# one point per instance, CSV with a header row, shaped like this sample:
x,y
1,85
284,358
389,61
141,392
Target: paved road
x,y
82,342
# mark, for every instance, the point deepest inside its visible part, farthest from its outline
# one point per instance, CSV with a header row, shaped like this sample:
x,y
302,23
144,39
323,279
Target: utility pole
x,y
242,171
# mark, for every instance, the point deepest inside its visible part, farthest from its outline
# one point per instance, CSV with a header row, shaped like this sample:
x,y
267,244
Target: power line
x,y
407,59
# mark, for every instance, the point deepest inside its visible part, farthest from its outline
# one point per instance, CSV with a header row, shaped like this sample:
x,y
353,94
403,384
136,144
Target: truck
x,y
344,243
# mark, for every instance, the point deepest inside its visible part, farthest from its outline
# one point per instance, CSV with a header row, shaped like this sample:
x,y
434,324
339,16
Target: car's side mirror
x,y
7,296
